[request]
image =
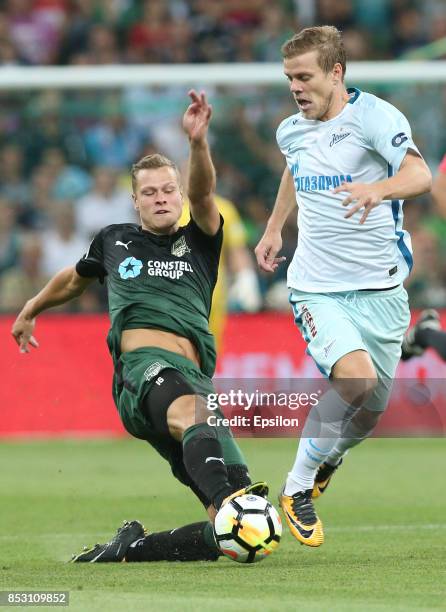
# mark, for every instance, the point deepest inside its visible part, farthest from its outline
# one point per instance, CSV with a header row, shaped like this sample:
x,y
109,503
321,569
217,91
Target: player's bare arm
x,y
271,241
202,181
412,179
63,287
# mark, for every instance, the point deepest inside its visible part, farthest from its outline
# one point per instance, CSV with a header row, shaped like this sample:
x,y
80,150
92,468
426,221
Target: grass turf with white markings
x,y
383,516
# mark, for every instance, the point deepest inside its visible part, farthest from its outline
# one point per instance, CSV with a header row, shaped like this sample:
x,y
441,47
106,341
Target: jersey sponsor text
x,y
168,269
320,182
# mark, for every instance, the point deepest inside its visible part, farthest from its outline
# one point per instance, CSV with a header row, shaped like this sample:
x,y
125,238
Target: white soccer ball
x,y
247,529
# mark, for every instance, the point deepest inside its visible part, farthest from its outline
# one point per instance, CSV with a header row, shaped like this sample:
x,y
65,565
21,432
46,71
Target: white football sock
x,y
352,435
321,431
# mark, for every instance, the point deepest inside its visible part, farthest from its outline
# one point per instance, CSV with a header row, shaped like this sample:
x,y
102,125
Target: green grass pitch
x,y
384,518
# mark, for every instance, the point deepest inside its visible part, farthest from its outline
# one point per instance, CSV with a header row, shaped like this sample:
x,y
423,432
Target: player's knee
x,y
184,412
363,391
356,391
355,378
181,415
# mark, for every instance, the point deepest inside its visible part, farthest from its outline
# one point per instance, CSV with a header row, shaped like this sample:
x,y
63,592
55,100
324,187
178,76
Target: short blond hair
x,y
151,162
327,40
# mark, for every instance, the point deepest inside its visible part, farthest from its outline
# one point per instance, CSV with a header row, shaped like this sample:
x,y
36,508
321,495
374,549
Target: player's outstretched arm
x,y
271,241
63,287
201,183
412,179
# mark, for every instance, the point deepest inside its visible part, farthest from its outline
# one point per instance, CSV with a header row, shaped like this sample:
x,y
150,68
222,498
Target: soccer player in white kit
x,y
350,163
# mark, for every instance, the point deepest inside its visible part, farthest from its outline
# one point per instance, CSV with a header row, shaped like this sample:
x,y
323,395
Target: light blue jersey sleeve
x,y
284,134
387,131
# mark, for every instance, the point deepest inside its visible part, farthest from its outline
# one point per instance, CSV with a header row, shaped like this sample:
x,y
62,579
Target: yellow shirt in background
x,y
234,235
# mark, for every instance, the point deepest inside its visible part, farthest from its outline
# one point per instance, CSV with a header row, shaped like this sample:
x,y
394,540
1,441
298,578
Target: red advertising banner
x,y
64,387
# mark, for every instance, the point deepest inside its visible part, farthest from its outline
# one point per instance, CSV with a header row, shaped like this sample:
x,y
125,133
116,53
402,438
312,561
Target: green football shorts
x,y
136,372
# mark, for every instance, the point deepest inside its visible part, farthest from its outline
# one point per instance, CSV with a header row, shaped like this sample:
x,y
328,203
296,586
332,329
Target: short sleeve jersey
x,y
365,143
158,282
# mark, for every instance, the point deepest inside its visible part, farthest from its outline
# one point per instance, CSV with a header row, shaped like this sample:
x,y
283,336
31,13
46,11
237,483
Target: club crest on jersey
x,y
335,138
130,268
179,247
153,369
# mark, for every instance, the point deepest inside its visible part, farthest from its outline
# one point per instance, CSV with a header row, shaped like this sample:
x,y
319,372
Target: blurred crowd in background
x,y
175,31
65,156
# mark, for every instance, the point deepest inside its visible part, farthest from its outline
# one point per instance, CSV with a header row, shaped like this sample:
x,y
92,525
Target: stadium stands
x,y
52,143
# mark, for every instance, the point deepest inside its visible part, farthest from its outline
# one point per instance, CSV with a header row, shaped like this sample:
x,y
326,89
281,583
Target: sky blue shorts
x,y
334,324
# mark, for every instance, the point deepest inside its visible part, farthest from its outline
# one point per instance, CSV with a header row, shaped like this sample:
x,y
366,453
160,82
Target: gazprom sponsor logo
x,y
320,182
295,169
